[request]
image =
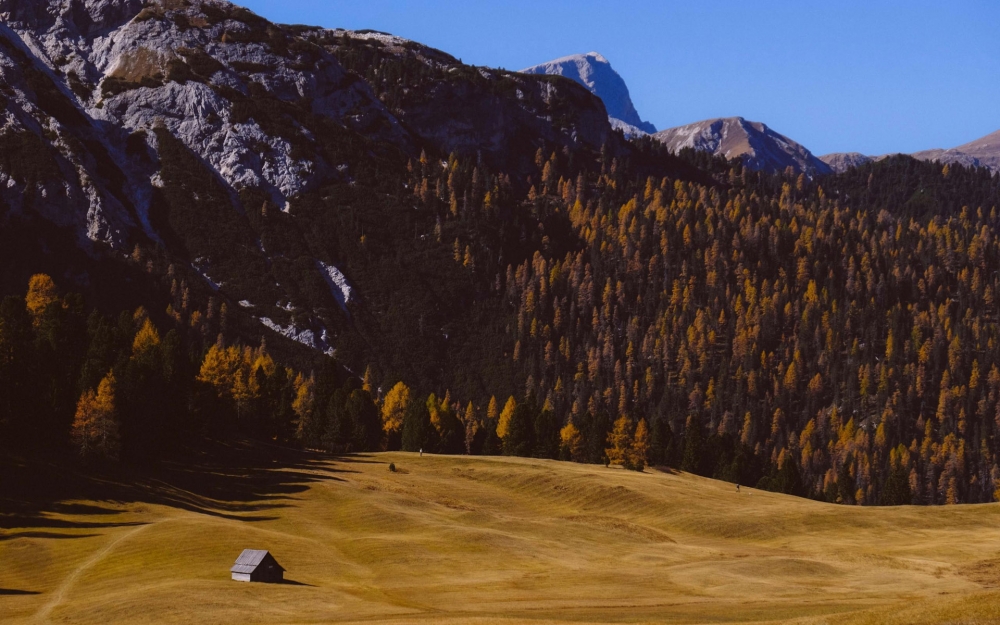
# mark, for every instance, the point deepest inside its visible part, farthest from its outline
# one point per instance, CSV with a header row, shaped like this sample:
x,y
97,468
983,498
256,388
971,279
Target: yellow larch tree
x,y
503,426
397,402
95,425
41,292
620,442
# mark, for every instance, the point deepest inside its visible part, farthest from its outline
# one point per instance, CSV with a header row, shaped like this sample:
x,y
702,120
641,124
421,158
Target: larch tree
x,y
145,339
41,292
639,450
620,443
95,426
471,423
572,443
503,425
394,407
303,406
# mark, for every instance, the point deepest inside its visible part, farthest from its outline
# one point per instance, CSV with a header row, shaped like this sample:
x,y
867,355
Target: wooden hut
x,y
257,565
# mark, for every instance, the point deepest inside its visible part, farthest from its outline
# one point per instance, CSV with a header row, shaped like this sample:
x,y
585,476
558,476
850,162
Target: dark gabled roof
x,y
250,559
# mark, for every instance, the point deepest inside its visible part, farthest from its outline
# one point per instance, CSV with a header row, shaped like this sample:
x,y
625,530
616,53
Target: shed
x,y
257,565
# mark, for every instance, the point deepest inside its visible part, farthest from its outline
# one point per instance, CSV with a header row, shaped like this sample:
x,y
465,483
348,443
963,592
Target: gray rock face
x,y
759,147
190,122
498,116
594,72
466,118
840,162
116,67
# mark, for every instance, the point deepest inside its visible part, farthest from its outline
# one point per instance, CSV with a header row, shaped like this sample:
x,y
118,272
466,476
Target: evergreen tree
x,y
418,433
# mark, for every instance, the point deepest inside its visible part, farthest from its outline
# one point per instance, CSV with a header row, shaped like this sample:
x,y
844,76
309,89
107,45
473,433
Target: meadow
x,y
450,539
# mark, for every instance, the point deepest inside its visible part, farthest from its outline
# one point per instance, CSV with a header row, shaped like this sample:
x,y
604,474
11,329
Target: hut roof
x,y
250,559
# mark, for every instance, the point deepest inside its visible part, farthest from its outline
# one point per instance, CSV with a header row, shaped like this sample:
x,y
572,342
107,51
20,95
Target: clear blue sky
x,y
868,76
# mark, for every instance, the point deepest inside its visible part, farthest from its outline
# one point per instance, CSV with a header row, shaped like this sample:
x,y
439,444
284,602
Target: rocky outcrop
x,y
759,147
235,143
499,116
594,72
209,72
840,162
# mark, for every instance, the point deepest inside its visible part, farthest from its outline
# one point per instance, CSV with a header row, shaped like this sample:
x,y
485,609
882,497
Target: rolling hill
x,y
475,540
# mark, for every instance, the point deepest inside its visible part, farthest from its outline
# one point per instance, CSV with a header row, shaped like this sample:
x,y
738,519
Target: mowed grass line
x,y
506,540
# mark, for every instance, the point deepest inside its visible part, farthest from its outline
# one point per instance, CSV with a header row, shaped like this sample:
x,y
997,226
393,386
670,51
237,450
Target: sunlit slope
x,y
483,540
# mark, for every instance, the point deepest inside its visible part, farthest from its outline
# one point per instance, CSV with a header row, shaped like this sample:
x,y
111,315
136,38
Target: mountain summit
x,y
760,147
594,72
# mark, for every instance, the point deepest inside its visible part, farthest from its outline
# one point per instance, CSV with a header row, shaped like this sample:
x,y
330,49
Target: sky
x,y
872,76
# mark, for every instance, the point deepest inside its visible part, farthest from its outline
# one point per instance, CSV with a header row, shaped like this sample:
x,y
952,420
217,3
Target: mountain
x,y
594,72
983,152
759,147
840,162
201,184
256,160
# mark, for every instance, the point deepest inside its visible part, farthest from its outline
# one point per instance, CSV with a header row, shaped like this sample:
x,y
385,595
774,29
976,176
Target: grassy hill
x,y
486,540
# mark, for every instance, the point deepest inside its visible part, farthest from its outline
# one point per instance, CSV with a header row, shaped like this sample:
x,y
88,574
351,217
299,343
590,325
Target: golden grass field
x,y
491,540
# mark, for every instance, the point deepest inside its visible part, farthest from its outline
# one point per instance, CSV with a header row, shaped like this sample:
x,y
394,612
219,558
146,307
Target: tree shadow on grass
x,y
358,459
236,480
10,592
34,534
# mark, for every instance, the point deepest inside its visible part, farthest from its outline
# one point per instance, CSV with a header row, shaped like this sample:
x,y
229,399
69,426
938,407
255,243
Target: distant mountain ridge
x,y
842,161
982,152
594,72
758,146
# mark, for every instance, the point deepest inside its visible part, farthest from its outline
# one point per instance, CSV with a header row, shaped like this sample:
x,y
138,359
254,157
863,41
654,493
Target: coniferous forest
x,y
833,337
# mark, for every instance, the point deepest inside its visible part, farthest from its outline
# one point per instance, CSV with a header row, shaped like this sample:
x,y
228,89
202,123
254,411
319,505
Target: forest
x,y
831,338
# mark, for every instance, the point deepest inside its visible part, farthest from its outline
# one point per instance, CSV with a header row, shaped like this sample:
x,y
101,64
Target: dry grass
x,y
499,540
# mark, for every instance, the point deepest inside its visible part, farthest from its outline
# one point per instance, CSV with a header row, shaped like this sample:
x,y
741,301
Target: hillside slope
x,y
464,540
759,147
258,158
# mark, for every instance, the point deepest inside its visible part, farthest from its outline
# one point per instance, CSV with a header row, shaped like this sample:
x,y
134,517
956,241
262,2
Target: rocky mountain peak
x,y
757,145
594,72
